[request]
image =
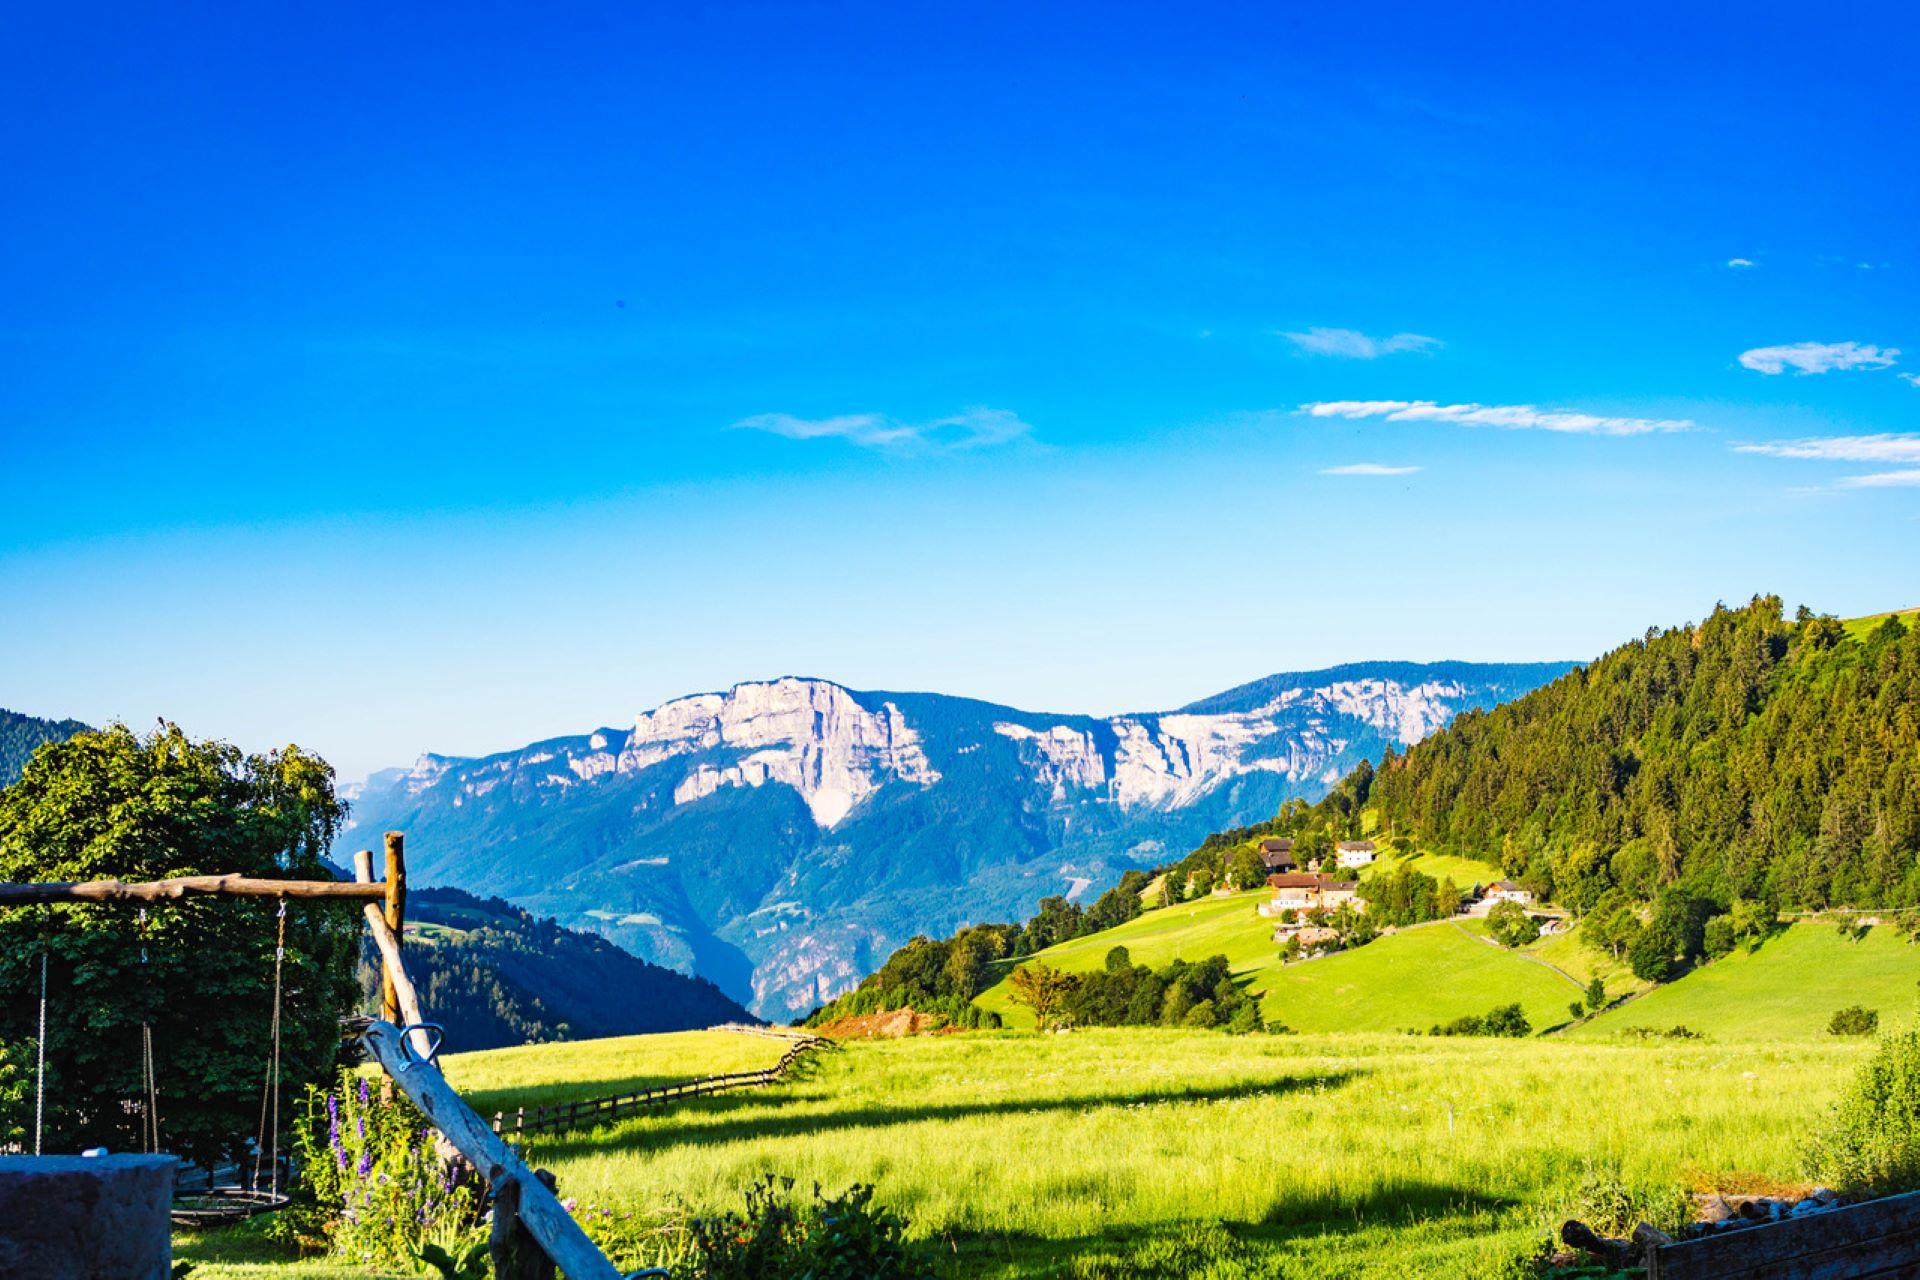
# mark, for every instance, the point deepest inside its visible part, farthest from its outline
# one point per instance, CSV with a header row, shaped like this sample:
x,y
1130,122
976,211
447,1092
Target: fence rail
x,y
590,1111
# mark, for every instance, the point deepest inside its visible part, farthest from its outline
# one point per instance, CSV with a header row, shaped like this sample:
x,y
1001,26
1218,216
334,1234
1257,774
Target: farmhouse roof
x,y
1277,844
1294,880
1346,886
1355,846
1508,886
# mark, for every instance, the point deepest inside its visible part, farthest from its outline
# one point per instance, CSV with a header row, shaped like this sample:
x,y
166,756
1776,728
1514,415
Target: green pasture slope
x,y
1860,628
1408,981
1141,1152
1786,989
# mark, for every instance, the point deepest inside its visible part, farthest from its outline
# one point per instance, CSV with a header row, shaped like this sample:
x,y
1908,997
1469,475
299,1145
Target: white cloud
x,y
1885,447
1739,263
1351,344
1513,417
1818,357
1884,480
1367,469
1911,379
969,429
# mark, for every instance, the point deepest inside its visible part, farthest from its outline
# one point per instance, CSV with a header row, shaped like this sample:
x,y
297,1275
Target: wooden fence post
x,y
396,868
516,1254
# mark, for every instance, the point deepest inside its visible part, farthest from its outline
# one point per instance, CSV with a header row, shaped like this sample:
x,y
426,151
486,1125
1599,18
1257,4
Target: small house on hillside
x,y
1276,854
1508,891
1336,893
1354,853
1303,891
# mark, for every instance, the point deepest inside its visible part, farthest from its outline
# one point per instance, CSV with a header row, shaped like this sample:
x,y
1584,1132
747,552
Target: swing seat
x,y
223,1206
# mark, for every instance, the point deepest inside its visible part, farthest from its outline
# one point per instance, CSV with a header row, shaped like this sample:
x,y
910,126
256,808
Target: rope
x,y
149,1082
40,1068
271,1088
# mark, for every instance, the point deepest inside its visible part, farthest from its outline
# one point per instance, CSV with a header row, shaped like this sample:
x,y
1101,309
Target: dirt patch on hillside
x,y
883,1026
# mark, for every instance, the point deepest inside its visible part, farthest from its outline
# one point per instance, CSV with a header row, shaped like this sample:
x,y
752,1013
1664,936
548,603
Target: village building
x,y
1276,854
1508,891
1354,853
1304,891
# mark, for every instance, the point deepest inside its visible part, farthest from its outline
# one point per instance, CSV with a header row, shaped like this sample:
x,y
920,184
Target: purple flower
x,y
363,1091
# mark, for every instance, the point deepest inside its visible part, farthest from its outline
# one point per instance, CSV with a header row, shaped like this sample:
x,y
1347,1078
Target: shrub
x,y
1511,926
1606,1201
1507,1020
1854,1021
1871,1139
1720,937
1596,995
374,1188
844,1237
1201,1015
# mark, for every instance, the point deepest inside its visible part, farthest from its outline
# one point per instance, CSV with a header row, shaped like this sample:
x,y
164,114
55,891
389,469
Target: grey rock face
x,y
86,1217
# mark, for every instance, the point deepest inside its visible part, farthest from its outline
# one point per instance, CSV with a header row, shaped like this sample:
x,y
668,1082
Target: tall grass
x,y
1315,1156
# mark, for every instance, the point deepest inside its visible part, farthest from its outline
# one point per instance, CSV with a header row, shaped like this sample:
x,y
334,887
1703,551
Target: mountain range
x,y
782,837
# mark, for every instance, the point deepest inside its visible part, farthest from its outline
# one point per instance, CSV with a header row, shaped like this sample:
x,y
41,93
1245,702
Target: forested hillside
x,y
21,735
495,975
1750,756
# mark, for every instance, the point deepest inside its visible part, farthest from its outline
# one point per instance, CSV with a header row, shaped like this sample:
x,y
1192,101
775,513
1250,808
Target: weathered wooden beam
x,y
1880,1238
396,914
393,969
559,1236
186,887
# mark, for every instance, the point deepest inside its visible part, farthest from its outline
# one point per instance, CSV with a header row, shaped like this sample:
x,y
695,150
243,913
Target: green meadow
x,y
1785,989
1405,981
1143,1152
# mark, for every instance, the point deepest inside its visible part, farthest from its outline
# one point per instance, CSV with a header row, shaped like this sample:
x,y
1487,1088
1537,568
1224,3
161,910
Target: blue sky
x,y
450,377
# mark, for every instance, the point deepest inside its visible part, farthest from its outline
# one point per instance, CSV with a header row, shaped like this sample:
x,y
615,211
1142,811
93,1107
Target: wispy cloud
x,y
1890,446
1367,469
1818,357
1739,264
1351,344
975,428
1512,417
1911,379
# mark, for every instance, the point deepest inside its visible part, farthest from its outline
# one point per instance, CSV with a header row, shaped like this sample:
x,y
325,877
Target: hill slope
x,y
1746,756
1786,989
496,976
21,735
783,837
1409,980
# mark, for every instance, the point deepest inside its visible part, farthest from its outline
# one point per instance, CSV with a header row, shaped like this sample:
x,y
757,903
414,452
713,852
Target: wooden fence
x,y
1880,1238
592,1111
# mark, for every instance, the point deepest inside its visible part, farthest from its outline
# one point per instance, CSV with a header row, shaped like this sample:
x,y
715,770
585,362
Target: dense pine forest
x,y
496,975
1751,756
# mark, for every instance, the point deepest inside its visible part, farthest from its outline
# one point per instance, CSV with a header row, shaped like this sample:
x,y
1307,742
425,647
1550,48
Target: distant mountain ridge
x,y
783,836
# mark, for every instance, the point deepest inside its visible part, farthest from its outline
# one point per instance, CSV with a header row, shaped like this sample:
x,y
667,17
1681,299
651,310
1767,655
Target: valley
x,y
783,837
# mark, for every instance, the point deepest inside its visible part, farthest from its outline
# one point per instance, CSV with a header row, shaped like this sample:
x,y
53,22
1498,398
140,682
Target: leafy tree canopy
x,y
112,804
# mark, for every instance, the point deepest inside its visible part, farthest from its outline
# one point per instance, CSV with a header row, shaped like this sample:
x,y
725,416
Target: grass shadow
x,y
722,1129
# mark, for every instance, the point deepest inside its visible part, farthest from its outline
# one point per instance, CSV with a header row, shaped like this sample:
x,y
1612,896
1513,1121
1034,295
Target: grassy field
x,y
1138,1152
1784,990
500,1079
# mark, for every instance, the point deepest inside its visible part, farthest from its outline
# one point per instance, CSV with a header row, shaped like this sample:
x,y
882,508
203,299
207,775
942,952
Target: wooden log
x,y
396,914
185,887
558,1235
